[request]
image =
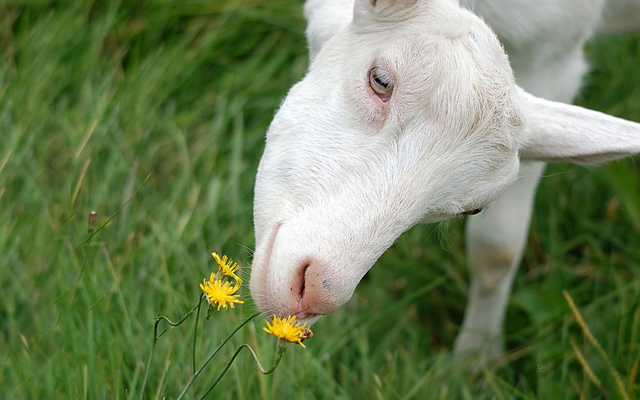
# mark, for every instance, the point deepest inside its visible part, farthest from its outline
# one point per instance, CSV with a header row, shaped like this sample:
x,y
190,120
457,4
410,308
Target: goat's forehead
x,y
409,54
410,45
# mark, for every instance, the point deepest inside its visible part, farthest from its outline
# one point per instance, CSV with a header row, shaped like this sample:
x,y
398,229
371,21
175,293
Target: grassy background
x,y
97,95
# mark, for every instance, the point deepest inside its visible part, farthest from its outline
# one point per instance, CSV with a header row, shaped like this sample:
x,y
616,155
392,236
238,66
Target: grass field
x,y
97,95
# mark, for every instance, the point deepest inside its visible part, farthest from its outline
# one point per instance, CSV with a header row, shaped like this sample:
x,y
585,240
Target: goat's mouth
x,y
309,318
307,315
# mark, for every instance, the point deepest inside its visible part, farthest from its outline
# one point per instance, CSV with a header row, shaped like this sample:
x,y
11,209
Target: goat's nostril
x,y
302,273
313,289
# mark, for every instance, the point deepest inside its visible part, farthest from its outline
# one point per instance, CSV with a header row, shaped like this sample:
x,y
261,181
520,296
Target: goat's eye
x,y
473,212
381,82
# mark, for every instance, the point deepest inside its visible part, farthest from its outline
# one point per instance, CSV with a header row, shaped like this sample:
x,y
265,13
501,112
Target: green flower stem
x,y
195,333
157,336
280,353
86,255
198,372
104,225
87,244
174,324
146,372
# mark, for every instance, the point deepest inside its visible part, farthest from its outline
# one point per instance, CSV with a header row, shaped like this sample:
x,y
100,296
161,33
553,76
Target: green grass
x,y
97,95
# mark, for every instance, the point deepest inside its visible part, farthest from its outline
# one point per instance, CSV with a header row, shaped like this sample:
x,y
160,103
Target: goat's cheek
x,y
368,108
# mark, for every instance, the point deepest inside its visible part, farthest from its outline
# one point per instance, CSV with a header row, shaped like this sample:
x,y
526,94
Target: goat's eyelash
x,y
383,76
382,82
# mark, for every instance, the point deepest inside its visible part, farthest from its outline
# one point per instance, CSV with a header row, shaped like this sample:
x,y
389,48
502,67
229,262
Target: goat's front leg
x,y
495,243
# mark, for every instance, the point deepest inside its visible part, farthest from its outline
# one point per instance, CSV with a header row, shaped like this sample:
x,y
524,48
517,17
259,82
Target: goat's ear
x,y
559,132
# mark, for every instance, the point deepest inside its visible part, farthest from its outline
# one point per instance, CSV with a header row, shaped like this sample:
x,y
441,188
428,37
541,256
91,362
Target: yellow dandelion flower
x,y
227,267
288,329
220,293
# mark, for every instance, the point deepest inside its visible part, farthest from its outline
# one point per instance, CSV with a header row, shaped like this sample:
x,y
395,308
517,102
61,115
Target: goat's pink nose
x,y
315,295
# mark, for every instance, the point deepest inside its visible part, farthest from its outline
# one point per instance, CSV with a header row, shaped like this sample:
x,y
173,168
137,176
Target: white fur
x,y
344,173
620,16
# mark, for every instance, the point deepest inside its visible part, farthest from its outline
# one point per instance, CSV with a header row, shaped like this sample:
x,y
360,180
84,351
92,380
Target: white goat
x,y
410,113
